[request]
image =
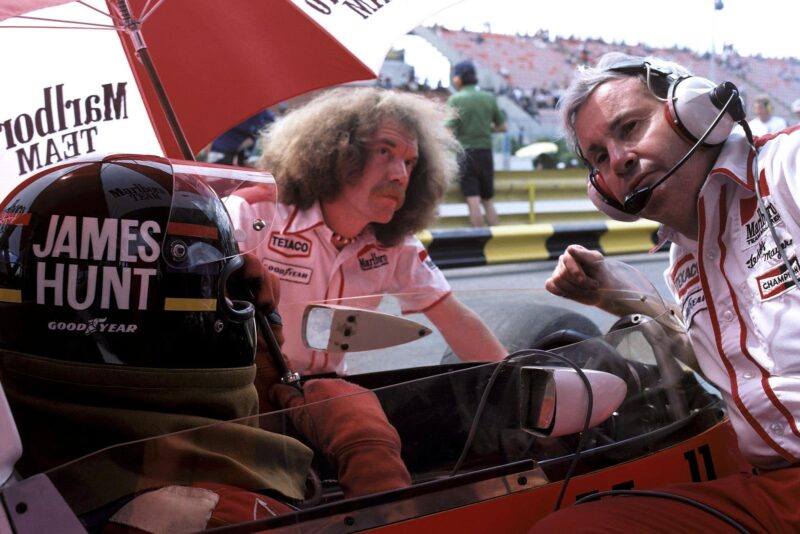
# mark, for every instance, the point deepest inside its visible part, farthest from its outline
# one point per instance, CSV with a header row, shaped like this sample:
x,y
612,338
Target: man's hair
x,y
317,149
469,78
762,98
765,101
587,79
465,70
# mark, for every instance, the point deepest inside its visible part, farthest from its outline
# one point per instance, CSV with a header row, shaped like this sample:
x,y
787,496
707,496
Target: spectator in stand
x,y
765,122
478,117
234,146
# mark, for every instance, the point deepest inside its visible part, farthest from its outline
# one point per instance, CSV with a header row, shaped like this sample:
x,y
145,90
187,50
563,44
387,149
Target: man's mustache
x,y
391,189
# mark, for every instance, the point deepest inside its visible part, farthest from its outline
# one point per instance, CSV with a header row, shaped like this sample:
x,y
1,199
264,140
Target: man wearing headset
x,y
661,144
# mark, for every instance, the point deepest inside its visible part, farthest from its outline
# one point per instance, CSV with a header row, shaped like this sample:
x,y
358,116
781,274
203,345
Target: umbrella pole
x,y
174,125
132,27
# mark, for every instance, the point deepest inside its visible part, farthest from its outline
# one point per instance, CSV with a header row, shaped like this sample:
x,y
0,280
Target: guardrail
x,y
529,211
515,185
465,247
527,197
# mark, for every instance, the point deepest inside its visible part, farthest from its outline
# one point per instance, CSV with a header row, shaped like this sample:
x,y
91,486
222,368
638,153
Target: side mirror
x,y
553,400
345,329
10,442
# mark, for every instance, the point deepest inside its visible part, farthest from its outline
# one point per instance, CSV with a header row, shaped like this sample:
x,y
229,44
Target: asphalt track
x,y
500,294
533,274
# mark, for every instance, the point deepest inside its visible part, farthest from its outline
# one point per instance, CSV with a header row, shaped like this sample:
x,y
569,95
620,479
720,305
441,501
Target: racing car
x,y
585,403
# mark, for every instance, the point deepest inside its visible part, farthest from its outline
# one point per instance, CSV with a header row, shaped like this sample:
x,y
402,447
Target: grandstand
x,y
528,72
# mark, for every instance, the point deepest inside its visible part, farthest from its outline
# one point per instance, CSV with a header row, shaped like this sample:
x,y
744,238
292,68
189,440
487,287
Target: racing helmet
x,y
128,260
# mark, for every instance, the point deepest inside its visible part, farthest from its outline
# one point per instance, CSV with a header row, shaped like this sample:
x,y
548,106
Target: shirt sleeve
x,y
454,122
418,281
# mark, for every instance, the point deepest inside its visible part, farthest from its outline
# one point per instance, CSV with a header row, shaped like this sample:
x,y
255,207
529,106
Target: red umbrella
x,y
218,61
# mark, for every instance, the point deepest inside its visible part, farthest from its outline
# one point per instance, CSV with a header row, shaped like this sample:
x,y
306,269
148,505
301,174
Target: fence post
x,y
531,199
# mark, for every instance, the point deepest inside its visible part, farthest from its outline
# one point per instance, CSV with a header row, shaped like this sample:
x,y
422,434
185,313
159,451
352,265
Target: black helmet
x,y
127,259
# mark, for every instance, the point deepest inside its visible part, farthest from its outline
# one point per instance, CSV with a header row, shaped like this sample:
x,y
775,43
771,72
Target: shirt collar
x,y
665,235
303,220
300,221
735,161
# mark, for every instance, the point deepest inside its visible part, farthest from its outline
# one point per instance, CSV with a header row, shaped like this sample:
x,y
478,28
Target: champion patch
x,y
777,281
291,246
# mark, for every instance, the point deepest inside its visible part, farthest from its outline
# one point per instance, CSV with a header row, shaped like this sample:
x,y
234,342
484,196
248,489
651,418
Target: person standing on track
x,y
477,117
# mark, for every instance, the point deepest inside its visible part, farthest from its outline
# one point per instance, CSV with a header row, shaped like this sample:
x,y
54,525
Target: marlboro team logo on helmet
x,y
124,260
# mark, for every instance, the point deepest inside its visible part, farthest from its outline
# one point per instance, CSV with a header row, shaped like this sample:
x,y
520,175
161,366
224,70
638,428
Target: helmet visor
x,y
217,212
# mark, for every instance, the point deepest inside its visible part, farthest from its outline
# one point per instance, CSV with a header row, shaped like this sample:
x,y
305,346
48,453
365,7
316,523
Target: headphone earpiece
x,y
693,104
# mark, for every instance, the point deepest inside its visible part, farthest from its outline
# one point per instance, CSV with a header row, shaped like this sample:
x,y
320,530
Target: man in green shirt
x,y
478,116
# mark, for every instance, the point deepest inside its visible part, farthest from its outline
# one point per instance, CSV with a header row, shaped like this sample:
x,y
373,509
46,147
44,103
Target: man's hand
x,y
350,429
585,276
266,290
578,276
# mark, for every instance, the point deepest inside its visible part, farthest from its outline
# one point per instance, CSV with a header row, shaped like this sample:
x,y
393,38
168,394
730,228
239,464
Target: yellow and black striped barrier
x,y
465,247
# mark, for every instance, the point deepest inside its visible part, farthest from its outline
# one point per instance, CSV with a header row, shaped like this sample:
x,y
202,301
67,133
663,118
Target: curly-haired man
x,y
359,171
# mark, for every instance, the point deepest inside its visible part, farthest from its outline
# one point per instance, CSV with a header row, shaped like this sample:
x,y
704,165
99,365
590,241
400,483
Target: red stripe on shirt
x,y
688,283
742,329
718,333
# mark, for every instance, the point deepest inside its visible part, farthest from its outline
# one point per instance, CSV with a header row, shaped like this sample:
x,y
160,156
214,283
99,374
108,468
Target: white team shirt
x,y
739,303
298,249
773,125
